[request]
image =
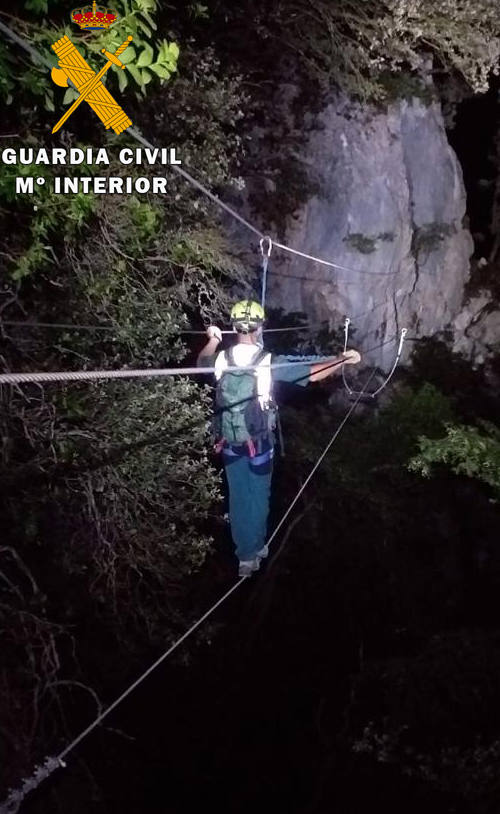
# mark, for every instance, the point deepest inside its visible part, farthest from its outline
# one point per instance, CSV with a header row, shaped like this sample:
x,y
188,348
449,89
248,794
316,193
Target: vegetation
x,y
146,59
362,243
470,451
107,487
429,237
366,244
357,44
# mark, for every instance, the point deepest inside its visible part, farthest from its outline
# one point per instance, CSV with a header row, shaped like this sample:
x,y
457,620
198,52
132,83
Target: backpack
x,y
239,417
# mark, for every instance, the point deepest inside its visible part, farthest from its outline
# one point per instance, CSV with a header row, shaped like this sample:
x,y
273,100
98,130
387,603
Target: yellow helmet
x,y
247,315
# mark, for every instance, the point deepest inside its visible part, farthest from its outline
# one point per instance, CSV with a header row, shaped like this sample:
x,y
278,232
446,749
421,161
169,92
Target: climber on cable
x,y
245,421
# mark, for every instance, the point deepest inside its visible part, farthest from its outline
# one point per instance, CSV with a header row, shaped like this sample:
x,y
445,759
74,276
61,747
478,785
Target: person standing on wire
x,y
245,421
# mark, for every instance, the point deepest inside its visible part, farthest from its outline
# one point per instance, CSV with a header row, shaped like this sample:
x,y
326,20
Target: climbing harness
x,y
265,265
384,384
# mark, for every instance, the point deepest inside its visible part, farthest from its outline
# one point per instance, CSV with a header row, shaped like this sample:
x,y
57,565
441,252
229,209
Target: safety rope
x,y
16,797
384,384
188,177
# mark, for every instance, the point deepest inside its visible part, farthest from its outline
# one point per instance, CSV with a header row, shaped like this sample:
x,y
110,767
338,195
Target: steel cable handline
x,y
189,332
188,177
71,326
192,332
16,797
145,441
94,375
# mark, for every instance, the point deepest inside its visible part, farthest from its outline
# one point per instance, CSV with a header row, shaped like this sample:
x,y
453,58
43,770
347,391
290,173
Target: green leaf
x,y
146,57
174,50
128,55
163,50
49,102
198,11
150,20
38,6
70,96
147,31
135,73
122,80
146,77
160,70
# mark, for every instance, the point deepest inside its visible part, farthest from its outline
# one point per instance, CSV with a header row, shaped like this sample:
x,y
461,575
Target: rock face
x,y
476,329
389,206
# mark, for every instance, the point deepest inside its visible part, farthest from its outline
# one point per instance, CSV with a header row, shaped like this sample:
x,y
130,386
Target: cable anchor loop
x,y
404,331
269,246
347,322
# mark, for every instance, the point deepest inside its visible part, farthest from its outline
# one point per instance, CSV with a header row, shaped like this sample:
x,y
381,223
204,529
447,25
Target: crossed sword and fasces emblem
x,y
72,66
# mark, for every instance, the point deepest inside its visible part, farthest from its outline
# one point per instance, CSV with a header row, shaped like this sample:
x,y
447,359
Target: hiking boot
x,y
247,567
263,552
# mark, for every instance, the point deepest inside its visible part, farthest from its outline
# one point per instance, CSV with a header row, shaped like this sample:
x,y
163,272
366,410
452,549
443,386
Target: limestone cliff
x,y
388,203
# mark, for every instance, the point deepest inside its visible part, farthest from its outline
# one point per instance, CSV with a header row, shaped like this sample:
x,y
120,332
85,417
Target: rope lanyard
x,y
384,384
41,773
265,264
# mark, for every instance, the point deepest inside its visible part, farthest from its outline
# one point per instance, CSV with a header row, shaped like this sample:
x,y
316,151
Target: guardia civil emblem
x,y
73,68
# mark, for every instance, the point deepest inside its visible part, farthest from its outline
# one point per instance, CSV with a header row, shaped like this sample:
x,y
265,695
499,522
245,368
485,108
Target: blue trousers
x,y
249,481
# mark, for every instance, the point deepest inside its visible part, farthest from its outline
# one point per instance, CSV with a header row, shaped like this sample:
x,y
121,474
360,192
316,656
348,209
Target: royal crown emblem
x,y
93,18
